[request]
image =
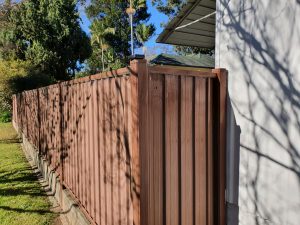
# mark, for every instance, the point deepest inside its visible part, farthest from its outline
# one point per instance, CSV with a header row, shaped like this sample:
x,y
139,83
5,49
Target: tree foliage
x,y
99,32
17,76
49,35
40,41
8,70
169,7
9,45
111,14
144,33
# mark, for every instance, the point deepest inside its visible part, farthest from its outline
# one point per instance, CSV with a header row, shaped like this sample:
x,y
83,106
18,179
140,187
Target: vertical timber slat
x,y
200,151
172,150
187,150
143,145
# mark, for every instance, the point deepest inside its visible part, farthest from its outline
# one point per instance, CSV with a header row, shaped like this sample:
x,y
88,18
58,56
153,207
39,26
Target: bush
x,y
32,81
8,70
17,76
5,117
82,74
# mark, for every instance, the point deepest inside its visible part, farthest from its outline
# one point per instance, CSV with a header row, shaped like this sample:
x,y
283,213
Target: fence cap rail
x,y
108,74
154,69
204,73
104,75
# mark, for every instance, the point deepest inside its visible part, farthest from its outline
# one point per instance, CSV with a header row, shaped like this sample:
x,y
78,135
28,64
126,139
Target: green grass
x,y
7,132
22,200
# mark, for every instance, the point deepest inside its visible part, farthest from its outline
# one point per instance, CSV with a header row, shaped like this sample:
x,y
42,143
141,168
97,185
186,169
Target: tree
x,y
40,41
144,33
112,14
171,9
52,36
9,47
99,31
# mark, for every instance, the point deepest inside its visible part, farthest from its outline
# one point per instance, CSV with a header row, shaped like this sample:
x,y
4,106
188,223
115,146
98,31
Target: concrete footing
x,y
70,211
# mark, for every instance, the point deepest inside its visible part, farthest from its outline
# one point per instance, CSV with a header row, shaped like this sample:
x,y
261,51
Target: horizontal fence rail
x,y
138,145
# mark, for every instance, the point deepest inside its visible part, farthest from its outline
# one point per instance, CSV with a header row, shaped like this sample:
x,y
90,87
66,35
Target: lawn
x,y
22,200
7,132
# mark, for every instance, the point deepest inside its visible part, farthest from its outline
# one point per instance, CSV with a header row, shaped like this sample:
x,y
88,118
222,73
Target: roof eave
x,y
176,21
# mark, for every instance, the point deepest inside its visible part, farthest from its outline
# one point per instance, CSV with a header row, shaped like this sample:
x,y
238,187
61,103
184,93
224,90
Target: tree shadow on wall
x,y
271,109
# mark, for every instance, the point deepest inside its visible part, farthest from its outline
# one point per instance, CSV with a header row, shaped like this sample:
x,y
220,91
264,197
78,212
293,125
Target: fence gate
x,y
182,117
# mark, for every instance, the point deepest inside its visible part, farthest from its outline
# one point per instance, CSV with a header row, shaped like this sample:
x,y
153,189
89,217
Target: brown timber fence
x,y
140,145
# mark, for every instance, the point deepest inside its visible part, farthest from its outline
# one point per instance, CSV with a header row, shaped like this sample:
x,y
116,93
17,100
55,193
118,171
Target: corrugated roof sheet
x,y
200,34
204,61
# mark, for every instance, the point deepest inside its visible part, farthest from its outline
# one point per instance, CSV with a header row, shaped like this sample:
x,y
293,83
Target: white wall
x,y
258,41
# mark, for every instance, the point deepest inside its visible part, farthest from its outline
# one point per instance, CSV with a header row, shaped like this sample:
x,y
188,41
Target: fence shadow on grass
x,y
19,210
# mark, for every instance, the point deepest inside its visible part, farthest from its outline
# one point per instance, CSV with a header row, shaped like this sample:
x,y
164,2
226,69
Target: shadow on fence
x,y
66,122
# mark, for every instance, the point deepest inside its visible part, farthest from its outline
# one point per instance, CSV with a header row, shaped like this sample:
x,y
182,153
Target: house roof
x,y
200,34
203,61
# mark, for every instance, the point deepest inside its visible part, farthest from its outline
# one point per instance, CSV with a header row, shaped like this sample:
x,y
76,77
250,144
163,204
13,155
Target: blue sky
x,y
156,18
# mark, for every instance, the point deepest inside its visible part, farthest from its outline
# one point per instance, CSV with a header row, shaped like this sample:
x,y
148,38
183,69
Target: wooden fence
x,y
140,145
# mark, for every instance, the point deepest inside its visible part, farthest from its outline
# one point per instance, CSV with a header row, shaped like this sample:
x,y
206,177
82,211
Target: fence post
x,y
39,122
140,70
13,109
223,81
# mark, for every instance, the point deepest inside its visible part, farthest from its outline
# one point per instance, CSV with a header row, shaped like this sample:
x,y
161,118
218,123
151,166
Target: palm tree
x,y
138,3
143,33
99,32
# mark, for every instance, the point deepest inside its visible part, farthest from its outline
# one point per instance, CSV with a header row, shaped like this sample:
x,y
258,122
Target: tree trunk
x,y
144,50
102,56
